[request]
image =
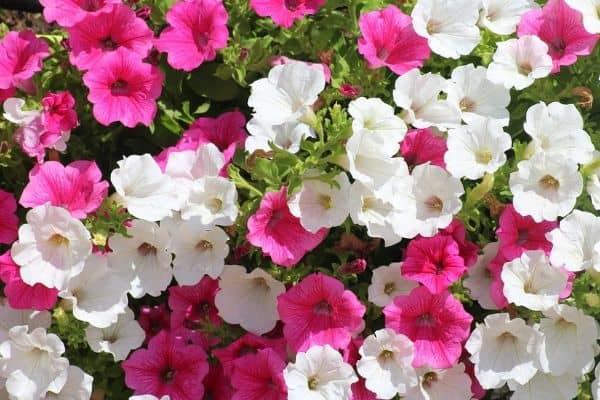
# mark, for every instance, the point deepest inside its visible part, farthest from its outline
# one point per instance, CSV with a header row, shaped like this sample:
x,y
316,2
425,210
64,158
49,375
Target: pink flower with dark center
x,y
194,306
285,12
421,145
76,187
278,233
216,385
20,295
517,233
21,56
67,13
561,28
259,377
318,311
436,323
9,222
467,249
197,29
59,113
247,344
154,319
167,367
434,261
98,34
123,88
388,39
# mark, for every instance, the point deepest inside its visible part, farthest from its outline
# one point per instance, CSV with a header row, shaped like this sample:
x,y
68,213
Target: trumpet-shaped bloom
x,y
574,242
387,283
422,146
9,222
66,13
441,384
502,16
59,113
589,11
117,339
21,56
259,376
285,12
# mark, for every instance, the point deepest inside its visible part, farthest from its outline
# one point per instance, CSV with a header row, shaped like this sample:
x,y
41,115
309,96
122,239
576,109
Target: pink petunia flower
x,y
434,261
77,187
497,285
467,249
436,323
351,355
154,319
67,13
193,306
59,113
561,28
246,345
123,88
280,234
517,233
216,385
21,56
318,311
259,377
350,91
9,222
197,29
98,34
285,12
388,39
421,145
34,139
167,367
7,93
20,295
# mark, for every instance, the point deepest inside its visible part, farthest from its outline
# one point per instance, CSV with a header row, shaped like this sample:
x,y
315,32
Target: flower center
x,y
292,5
325,201
483,156
58,240
108,44
146,249
389,288
91,5
549,182
435,204
119,88
429,378
433,27
313,382
507,336
522,236
196,314
202,39
203,245
558,45
215,205
425,320
466,104
383,54
167,375
323,308
260,283
524,68
385,355
528,287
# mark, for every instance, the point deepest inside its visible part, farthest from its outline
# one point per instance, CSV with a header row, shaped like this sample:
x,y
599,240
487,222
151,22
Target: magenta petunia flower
x,y
436,323
216,385
318,311
67,13
561,28
421,145
7,93
20,295
98,34
246,345
467,249
192,306
154,319
259,377
278,233
168,367
285,12
197,29
123,88
434,261
77,187
517,233
388,39
59,113
9,222
21,56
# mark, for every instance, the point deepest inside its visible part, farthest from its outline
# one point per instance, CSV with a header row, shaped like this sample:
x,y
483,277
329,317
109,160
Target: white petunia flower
x,y
419,94
378,118
118,339
531,281
503,349
503,16
319,205
99,293
212,201
438,198
249,299
479,280
593,184
9,318
557,129
596,383
387,282
145,251
386,363
13,111
77,387
569,345
545,187
476,96
142,187
287,94
441,384
32,363
590,9
198,252
286,136
545,386
450,26
519,62
52,247
476,149
319,374
190,165
574,240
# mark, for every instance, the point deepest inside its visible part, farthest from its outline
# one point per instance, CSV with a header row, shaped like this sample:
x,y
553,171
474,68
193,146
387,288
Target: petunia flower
x,y
117,339
502,16
9,222
546,386
441,384
66,13
10,317
589,11
574,243
193,306
479,277
421,146
259,376
58,114
387,283
21,56
285,12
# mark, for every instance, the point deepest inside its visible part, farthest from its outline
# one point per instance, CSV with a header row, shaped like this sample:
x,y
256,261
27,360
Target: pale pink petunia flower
x,y
58,114
9,222
285,12
21,56
319,311
123,88
280,234
259,377
197,29
561,28
420,146
436,323
20,295
98,34
67,13
388,39
34,139
78,187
